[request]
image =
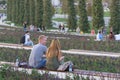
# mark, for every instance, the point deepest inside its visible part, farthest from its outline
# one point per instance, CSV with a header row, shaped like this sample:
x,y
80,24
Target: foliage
x,y
89,9
9,10
83,22
64,6
60,19
48,13
13,10
2,2
21,12
39,13
27,11
67,41
107,14
96,63
8,73
115,16
97,14
16,19
72,20
32,12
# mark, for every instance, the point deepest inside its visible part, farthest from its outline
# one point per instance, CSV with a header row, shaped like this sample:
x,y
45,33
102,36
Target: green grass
x,y
60,19
2,11
107,14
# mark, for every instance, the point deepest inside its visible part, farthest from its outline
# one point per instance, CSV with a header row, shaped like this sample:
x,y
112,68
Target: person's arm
x,y
61,58
44,55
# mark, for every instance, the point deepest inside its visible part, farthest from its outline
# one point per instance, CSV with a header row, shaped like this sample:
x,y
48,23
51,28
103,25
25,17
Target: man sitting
x,y
37,56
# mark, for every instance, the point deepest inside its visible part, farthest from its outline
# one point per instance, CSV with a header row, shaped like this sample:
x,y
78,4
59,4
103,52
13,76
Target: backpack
x,y
22,40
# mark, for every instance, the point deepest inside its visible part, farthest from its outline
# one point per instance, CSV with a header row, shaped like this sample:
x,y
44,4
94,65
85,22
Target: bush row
x,y
104,64
67,41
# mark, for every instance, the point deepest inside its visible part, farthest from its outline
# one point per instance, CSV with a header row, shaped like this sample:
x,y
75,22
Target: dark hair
x,y
27,32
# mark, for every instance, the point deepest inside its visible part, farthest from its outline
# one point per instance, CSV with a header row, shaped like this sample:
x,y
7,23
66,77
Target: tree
x,y
9,10
89,9
71,15
13,11
83,21
97,13
32,11
115,16
39,13
17,11
21,11
27,11
47,20
64,6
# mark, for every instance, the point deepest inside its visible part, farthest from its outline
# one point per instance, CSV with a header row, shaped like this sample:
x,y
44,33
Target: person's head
x,y
27,32
42,39
111,32
99,32
55,44
54,49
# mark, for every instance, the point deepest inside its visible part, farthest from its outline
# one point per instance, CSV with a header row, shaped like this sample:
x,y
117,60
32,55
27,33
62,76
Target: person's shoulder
x,y
44,46
39,45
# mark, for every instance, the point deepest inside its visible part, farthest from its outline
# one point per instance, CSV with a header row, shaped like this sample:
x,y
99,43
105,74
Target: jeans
x,y
41,64
29,43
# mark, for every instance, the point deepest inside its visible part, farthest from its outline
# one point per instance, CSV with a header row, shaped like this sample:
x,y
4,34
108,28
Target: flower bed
x,y
67,41
103,64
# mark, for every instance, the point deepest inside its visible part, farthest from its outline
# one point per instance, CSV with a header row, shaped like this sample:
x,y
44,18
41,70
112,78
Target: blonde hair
x,y
54,49
41,37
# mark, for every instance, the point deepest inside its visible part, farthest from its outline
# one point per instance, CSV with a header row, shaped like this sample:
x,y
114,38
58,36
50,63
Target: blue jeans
x,y
29,43
41,64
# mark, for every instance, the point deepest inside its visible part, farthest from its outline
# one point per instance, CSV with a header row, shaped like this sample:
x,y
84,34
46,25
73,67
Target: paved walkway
x,y
72,51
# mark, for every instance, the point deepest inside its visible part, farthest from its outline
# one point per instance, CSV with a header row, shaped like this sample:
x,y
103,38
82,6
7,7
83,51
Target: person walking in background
x,y
54,56
37,56
25,26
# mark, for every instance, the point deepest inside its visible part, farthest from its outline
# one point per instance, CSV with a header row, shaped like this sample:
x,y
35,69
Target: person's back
x,y
52,63
36,55
53,55
36,58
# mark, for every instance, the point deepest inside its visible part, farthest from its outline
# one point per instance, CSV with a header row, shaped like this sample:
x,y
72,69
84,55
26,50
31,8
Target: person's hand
x,y
62,58
44,56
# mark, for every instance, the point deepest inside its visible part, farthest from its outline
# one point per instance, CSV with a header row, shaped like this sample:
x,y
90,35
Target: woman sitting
x,y
54,55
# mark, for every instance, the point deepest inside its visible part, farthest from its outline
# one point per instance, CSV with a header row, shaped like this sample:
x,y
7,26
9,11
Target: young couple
x,y
42,57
